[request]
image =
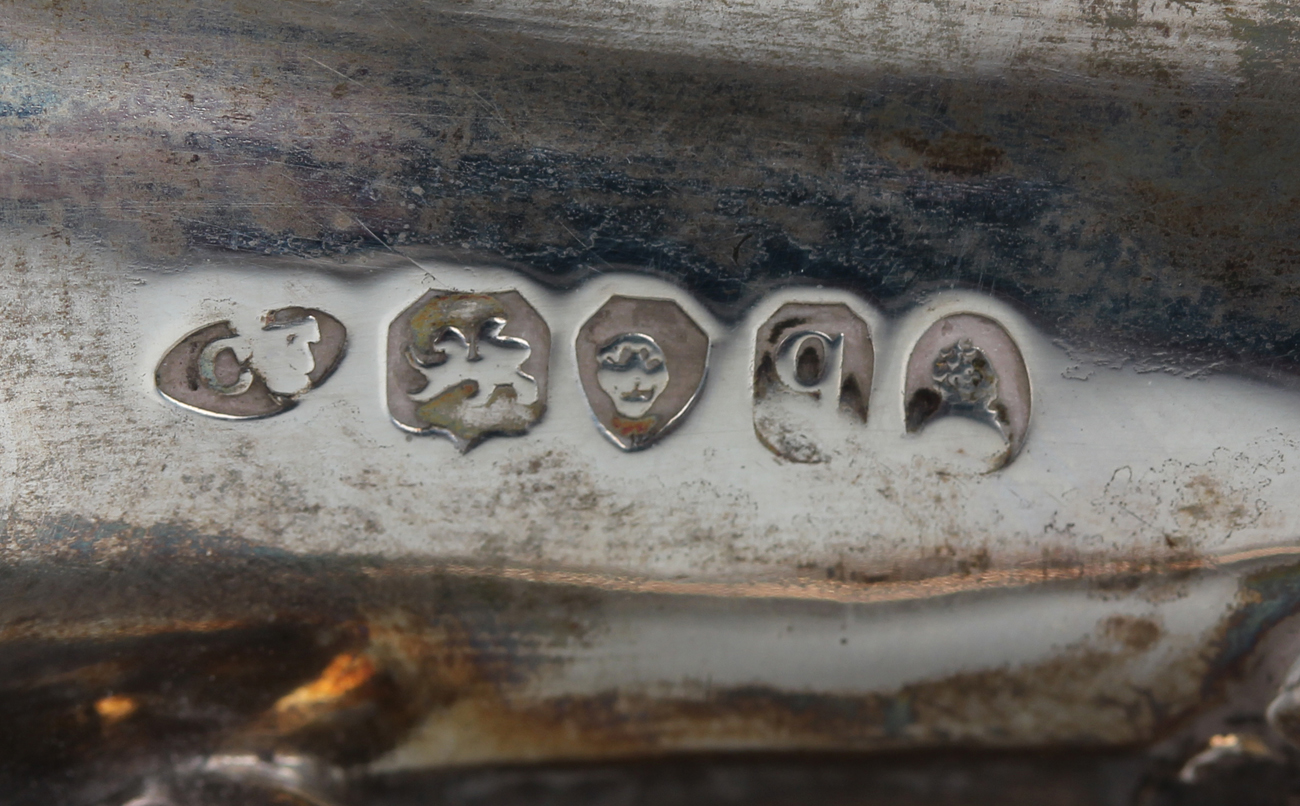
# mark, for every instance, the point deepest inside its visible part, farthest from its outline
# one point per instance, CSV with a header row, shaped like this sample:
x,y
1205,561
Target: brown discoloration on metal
x,y
1105,163
372,665
416,340
957,153
1081,697
1133,178
354,661
1134,633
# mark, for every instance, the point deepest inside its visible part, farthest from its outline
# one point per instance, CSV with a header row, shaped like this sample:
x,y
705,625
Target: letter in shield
x,y
642,364
813,364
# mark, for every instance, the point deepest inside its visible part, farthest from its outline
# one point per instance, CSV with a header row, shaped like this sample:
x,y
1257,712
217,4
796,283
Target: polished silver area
x,y
967,365
445,349
813,363
642,364
707,558
559,497
215,371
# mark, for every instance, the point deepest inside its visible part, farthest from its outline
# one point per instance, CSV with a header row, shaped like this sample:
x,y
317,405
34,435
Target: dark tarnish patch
x,y
168,648
67,702
72,538
176,648
765,376
26,108
1063,778
779,329
1266,598
956,153
852,399
920,407
570,160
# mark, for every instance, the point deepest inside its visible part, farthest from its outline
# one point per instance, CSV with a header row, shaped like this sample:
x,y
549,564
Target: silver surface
x,y
1071,224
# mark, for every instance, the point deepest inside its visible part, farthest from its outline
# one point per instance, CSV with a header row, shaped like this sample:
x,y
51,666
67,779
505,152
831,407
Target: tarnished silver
x,y
966,364
499,390
215,371
1107,185
642,364
813,364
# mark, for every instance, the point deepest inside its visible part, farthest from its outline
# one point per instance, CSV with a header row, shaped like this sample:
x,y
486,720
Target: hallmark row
x,y
468,367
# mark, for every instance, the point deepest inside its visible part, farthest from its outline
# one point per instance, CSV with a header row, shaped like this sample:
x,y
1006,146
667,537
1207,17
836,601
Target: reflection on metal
x,y
642,364
285,675
447,348
246,779
1283,712
967,365
812,366
1225,751
1112,183
214,371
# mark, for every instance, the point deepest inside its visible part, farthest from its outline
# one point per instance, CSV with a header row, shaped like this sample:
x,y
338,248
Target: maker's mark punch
x,y
219,372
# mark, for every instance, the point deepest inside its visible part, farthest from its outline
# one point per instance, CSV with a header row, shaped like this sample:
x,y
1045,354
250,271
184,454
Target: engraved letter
x,y
217,372
813,364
